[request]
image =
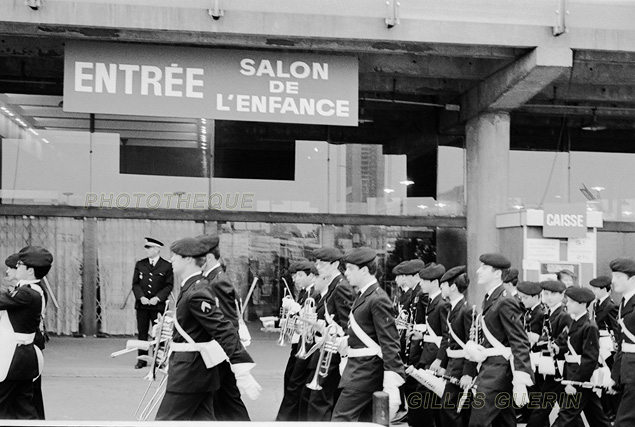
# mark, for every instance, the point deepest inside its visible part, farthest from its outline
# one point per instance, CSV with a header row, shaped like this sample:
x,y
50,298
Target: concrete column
x,y
487,144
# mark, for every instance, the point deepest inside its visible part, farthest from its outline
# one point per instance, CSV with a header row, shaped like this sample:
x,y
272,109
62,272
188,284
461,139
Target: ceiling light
x,y
440,205
406,182
598,188
422,207
388,190
627,213
518,207
592,125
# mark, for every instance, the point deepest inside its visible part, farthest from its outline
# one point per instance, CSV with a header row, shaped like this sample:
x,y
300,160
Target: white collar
x,y
213,267
154,260
491,291
434,295
27,282
554,308
628,296
455,301
368,285
601,300
579,316
534,306
189,277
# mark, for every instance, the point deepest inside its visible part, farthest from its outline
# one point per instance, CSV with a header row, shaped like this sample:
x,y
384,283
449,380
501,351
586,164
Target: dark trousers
x,y
16,400
187,407
449,415
492,404
145,318
626,412
321,402
228,405
290,365
423,408
38,401
550,392
586,401
292,401
353,406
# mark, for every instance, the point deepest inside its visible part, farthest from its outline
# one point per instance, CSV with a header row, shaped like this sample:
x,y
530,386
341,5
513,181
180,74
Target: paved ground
x,y
82,382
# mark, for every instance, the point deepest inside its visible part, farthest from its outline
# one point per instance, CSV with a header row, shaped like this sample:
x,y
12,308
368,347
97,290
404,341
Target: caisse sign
x,y
564,220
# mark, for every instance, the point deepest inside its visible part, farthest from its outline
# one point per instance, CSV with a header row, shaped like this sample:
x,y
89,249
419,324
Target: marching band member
x,y
529,294
581,360
505,371
454,283
292,407
556,327
510,281
333,306
623,373
202,340
20,317
373,343
605,313
402,290
432,347
227,401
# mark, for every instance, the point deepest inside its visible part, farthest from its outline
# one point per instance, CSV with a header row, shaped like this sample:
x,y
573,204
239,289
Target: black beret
x,y
529,288
12,261
189,247
302,265
398,269
453,273
511,275
600,282
553,286
153,242
495,260
359,256
412,267
623,265
581,295
209,241
433,271
35,256
328,253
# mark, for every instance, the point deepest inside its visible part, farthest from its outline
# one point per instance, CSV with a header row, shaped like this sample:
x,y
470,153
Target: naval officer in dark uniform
x,y
373,343
20,317
151,284
199,325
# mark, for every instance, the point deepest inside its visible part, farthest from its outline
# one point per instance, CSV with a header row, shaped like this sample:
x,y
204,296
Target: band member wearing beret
x,y
199,326
21,314
504,343
151,284
373,344
623,373
581,360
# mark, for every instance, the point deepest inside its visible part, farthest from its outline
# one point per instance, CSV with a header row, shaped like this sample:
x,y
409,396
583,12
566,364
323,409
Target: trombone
x,y
328,347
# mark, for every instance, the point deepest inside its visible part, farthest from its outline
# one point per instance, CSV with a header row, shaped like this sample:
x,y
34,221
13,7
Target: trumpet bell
x,y
314,384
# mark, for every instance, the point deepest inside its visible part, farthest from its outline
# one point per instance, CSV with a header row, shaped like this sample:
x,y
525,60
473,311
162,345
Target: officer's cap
x,y
412,267
359,256
328,254
452,274
189,247
600,282
398,269
511,275
581,295
553,285
12,261
495,260
529,288
623,265
35,256
149,241
433,271
209,241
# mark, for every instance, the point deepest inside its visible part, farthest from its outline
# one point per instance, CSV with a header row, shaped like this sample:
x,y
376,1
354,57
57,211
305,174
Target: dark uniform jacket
x,y
199,316
338,301
503,316
416,308
460,320
374,314
624,366
149,281
24,309
225,292
558,325
584,338
534,321
436,315
606,315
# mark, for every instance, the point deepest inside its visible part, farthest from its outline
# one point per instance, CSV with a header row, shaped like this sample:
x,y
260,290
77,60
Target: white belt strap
x,y
628,333
453,334
24,339
211,352
184,346
431,336
455,354
372,346
498,349
628,348
361,352
572,356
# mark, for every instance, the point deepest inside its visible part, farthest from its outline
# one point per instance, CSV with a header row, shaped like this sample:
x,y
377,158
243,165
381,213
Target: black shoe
x,y
400,417
140,364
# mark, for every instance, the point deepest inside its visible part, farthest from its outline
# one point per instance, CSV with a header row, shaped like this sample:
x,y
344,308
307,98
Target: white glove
x,y
520,383
342,345
474,352
243,333
292,306
392,382
245,381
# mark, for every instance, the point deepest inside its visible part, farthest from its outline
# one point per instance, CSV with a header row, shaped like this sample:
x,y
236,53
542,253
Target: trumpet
x,y
328,347
402,321
307,329
287,323
475,327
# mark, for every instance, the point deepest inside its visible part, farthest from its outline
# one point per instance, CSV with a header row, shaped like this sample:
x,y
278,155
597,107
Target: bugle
x,y
327,348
